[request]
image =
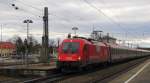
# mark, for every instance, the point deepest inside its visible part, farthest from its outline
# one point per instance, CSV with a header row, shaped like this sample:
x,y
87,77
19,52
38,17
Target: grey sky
x,y
129,16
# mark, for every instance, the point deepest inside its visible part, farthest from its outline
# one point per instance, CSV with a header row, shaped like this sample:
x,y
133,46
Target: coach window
x,y
112,51
116,51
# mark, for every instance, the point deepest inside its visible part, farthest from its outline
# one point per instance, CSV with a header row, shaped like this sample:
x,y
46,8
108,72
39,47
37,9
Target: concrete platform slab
x,y
140,74
39,66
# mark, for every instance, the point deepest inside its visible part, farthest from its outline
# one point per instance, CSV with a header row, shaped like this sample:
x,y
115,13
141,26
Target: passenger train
x,y
80,52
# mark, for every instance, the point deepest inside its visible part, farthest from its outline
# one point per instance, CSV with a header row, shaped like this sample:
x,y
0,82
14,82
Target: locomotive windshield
x,y
70,47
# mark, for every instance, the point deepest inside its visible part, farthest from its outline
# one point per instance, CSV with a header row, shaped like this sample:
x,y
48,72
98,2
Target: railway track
x,y
92,76
40,79
103,75
7,79
16,78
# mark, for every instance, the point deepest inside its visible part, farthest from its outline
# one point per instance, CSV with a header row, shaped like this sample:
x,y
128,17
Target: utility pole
x,y
107,37
1,32
45,38
1,40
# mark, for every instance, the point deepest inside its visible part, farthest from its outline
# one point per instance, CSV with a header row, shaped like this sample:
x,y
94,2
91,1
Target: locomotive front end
x,y
69,55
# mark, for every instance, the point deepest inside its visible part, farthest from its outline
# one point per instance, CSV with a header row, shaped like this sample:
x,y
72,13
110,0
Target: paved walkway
x,y
39,66
140,74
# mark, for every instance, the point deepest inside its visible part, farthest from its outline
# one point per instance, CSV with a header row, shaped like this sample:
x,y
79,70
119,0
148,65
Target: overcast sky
x,y
124,19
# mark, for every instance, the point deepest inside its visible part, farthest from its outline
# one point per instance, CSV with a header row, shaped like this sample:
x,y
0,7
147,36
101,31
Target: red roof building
x,y
7,45
7,48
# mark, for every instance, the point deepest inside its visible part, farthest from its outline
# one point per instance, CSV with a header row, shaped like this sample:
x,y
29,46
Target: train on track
x,y
80,52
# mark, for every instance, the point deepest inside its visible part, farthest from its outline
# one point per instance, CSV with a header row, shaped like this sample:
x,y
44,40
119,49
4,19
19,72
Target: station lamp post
x,y
27,21
75,29
1,32
1,42
27,49
2,25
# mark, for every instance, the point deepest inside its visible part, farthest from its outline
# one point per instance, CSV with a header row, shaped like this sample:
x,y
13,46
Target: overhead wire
x,y
135,35
101,12
29,6
20,18
46,1
34,14
112,20
114,16
41,11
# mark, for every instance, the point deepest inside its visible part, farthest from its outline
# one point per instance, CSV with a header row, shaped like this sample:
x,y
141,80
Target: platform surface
x,y
140,74
39,66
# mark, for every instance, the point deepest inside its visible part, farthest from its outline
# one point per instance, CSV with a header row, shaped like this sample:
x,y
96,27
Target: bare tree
x,y
32,43
13,39
51,42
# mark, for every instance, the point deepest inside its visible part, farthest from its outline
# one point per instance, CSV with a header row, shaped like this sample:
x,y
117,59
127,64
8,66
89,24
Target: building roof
x,y
7,45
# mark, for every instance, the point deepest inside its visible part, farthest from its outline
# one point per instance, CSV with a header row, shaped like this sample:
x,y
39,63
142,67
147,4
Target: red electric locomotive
x,y
80,52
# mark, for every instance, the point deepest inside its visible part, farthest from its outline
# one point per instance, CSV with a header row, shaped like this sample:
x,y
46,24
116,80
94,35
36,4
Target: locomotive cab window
x,y
70,47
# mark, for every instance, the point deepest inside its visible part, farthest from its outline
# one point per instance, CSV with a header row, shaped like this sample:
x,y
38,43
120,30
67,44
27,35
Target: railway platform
x,y
140,74
39,66
33,69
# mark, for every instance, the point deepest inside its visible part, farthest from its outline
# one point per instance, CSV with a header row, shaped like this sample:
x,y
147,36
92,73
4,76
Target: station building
x,y
7,49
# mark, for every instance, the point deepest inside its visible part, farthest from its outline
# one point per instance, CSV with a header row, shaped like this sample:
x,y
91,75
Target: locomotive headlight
x,y
79,58
59,57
